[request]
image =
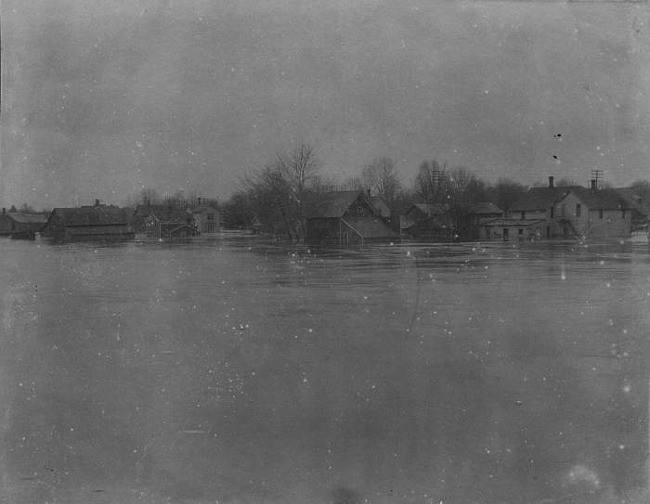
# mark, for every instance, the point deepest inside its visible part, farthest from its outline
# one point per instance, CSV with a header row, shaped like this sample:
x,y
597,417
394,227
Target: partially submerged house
x,y
98,222
21,224
481,213
426,221
507,229
640,209
207,219
163,221
563,212
347,218
594,213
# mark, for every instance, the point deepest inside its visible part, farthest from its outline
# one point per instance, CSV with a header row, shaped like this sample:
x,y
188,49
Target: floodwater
x,y
238,371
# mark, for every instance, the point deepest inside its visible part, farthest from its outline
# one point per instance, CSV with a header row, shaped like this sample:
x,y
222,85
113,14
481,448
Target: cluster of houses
x,y
357,217
553,212
549,212
108,222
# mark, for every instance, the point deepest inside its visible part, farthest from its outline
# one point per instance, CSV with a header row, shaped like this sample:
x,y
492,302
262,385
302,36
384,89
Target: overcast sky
x,y
102,98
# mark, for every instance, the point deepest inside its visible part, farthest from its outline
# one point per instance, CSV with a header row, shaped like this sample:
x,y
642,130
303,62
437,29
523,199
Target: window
x,y
360,210
552,212
523,215
623,214
600,213
578,209
521,231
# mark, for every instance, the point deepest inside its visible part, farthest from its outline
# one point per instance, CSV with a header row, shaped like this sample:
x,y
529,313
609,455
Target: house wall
x,y
528,214
97,232
594,223
6,225
323,230
359,208
208,221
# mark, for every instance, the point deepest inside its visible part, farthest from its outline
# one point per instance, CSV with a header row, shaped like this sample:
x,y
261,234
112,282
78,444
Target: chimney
x,y
199,200
368,192
4,210
551,182
594,185
96,202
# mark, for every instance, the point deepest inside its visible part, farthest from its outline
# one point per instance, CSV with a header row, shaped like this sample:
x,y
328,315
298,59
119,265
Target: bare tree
x,y
430,182
381,177
299,167
505,193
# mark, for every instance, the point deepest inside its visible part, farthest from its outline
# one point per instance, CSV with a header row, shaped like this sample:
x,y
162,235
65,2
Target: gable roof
x,y
428,209
485,208
91,216
634,200
28,218
602,199
541,198
334,204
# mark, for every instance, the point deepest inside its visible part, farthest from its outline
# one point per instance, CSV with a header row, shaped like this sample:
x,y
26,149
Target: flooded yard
x,y
233,370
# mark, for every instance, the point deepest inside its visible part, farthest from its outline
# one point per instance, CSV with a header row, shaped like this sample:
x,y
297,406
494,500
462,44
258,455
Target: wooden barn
x,y
98,222
347,218
21,224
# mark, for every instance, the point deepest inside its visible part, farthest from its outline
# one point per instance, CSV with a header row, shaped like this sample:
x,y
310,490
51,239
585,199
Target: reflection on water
x,y
235,370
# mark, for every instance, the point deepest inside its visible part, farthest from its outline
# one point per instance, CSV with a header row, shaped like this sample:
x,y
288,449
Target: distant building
x,y
98,222
640,208
425,221
562,212
207,219
347,218
481,213
163,221
21,224
594,213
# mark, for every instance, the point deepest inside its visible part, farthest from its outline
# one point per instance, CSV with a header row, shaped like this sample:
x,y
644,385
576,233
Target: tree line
x,y
278,197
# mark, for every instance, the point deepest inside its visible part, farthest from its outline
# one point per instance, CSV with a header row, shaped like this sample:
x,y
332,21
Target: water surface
x,y
234,370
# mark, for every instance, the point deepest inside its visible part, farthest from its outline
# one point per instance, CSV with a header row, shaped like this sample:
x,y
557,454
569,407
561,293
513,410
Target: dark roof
x,y
541,198
602,199
91,216
635,200
334,204
429,209
485,208
28,218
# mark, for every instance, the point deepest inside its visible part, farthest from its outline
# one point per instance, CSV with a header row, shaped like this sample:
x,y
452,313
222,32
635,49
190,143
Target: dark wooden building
x,y
347,218
426,221
21,224
98,222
